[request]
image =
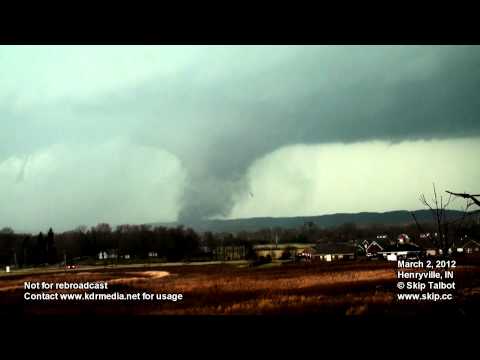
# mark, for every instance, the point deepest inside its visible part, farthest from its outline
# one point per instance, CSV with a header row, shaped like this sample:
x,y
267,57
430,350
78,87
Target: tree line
x,y
136,241
180,243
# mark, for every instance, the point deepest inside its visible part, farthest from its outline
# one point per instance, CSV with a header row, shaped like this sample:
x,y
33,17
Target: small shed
x,y
108,254
279,251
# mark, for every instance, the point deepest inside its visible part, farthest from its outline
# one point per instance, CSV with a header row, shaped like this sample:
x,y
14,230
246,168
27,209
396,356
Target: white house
x,y
400,251
373,249
471,246
334,251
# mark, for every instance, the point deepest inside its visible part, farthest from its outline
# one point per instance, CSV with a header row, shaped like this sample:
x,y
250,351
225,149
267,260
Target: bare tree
x,y
472,197
437,207
472,200
446,229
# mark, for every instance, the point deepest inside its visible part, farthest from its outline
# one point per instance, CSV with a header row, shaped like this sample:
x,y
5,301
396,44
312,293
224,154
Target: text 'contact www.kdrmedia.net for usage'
x,y
88,291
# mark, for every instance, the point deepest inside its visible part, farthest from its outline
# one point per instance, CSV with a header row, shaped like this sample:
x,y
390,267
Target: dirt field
x,y
346,289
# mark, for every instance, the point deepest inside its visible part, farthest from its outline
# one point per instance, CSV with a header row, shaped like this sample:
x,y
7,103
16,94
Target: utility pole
x,y
272,253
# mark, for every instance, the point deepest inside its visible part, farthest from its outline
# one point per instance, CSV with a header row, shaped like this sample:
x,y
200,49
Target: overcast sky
x,y
134,134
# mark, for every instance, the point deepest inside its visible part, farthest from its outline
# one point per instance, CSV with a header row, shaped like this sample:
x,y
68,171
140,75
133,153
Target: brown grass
x,y
354,289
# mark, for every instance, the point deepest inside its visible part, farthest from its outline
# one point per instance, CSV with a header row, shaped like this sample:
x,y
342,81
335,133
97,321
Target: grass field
x,y
344,289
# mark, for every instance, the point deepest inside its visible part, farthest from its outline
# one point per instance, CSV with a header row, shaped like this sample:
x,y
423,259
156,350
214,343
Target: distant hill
x,y
400,217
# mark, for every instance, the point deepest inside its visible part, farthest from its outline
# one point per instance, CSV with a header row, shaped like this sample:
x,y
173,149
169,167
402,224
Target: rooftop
x,y
335,248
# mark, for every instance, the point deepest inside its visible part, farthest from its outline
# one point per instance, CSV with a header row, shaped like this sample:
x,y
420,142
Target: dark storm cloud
x,y
222,113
